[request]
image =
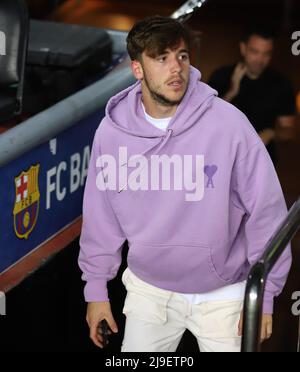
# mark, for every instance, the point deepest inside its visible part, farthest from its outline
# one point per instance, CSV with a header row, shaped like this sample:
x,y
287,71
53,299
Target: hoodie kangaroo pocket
x,y
183,268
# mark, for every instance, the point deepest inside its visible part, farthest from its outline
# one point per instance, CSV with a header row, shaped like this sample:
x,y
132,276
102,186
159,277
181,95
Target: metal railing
x,y
257,279
187,10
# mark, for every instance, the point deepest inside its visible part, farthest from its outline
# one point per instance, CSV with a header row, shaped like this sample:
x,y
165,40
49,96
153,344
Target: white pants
x,y
156,320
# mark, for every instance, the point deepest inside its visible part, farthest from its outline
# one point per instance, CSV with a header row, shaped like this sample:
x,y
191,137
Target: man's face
x,y
257,53
166,77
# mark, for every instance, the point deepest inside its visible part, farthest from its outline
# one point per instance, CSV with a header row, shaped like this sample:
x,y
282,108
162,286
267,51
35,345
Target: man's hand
x,y
237,76
267,135
96,312
266,327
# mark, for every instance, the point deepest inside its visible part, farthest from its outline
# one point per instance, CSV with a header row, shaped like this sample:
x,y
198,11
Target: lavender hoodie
x,y
198,234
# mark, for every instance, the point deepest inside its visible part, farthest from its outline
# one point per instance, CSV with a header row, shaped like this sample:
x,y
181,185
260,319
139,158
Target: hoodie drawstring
x,y
165,140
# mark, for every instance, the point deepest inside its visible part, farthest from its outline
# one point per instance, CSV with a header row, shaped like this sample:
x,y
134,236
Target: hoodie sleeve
x,y
262,198
102,238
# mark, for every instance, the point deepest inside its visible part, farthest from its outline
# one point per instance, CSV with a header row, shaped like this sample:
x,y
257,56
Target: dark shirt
x,y
261,100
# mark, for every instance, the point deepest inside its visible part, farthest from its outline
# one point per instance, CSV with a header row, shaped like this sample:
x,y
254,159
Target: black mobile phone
x,y
103,326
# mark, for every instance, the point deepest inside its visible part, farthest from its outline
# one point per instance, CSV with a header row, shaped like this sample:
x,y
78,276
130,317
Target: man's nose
x,y
176,65
261,59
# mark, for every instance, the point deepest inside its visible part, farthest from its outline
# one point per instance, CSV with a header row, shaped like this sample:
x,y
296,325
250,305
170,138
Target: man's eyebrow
x,y
180,51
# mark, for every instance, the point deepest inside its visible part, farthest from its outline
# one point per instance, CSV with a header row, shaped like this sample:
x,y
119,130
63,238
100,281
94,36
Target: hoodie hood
x,y
198,99
183,119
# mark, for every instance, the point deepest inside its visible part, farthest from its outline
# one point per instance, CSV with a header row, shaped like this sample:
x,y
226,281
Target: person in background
x,y
264,95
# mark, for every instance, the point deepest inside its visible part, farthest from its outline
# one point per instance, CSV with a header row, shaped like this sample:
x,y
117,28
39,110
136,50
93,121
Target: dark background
x,y
221,22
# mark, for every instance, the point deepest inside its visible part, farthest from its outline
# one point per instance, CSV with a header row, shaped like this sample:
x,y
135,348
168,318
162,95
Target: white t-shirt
x,y
158,123
228,293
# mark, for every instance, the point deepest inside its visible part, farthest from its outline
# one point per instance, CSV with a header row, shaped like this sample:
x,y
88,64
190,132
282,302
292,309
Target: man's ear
x,y
243,49
137,70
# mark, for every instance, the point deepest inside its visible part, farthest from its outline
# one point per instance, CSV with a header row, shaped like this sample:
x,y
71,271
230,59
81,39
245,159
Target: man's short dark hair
x,y
154,35
263,31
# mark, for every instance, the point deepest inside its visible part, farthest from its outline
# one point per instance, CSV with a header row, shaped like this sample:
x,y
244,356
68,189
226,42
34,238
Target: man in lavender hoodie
x,y
183,176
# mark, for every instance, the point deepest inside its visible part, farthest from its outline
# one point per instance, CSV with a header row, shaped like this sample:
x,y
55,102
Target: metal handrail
x,y
257,279
187,10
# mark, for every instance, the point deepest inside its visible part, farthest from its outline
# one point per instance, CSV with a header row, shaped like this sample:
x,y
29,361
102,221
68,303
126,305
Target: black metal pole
x,y
258,276
253,310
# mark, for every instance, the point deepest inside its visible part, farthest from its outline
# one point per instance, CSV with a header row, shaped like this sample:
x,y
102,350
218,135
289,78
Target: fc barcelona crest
x,y
27,202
